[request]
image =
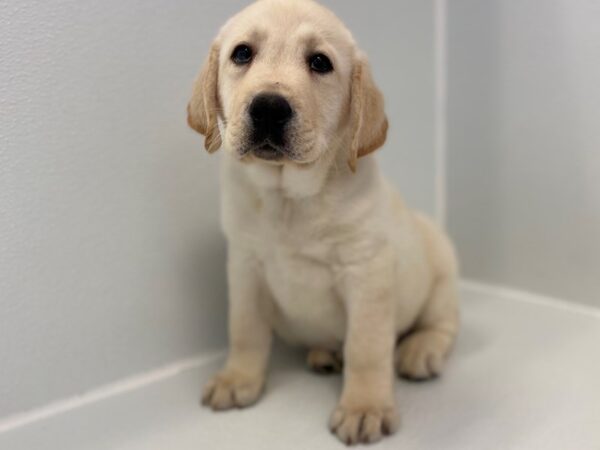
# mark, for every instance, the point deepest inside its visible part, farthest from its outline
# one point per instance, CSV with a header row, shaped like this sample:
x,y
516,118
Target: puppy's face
x,y
288,86
284,83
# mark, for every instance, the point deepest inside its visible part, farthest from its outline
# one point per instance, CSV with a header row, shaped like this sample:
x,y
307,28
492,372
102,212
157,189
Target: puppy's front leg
x,y
367,408
241,381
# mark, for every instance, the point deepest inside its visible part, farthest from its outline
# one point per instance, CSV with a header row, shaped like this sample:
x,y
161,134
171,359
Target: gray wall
x,y
398,37
111,253
524,143
111,257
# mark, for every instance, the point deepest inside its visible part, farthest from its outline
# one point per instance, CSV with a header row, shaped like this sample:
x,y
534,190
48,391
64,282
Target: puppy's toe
x,y
324,362
421,355
231,390
363,425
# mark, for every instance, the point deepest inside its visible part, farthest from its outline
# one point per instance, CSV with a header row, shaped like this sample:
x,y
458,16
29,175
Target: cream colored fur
x,y
322,250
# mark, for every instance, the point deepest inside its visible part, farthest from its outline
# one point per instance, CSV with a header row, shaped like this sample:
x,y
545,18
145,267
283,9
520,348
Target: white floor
x,y
524,375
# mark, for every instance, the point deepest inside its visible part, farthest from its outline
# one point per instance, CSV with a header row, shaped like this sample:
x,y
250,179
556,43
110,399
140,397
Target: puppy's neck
x,y
307,198
289,181
301,181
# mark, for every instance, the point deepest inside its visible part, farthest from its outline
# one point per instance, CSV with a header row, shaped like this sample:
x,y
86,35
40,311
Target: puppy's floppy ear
x,y
368,120
203,108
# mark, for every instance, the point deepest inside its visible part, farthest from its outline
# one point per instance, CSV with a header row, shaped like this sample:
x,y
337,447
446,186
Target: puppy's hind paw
x,y
324,361
420,356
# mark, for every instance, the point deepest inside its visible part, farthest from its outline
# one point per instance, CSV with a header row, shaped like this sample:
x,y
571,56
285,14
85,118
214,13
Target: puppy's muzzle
x,y
270,115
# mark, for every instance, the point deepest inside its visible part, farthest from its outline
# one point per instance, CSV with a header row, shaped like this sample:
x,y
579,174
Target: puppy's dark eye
x,y
241,55
320,63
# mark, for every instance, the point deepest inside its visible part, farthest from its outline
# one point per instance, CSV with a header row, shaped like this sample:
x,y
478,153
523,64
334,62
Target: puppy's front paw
x,y
232,390
363,424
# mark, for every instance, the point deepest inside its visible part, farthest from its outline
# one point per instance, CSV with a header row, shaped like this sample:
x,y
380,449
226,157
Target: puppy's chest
x,y
302,272
303,284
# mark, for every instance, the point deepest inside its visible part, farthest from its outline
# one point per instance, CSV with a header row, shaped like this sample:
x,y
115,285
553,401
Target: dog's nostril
x,y
268,110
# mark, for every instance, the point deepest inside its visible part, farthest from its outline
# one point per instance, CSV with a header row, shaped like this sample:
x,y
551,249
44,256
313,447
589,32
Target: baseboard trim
x,y
119,387
529,297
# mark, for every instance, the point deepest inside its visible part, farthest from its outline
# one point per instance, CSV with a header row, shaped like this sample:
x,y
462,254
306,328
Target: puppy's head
x,y
288,85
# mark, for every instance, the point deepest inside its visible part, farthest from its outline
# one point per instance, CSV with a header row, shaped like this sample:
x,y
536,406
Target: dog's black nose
x,y
270,113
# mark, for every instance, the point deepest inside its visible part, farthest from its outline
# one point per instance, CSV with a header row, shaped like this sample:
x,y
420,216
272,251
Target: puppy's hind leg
x,y
421,354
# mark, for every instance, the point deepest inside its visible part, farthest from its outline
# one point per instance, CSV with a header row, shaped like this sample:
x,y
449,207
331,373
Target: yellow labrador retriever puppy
x,y
322,250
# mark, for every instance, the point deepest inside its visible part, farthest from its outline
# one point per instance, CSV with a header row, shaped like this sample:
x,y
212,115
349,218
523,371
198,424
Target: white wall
x,y
524,143
111,258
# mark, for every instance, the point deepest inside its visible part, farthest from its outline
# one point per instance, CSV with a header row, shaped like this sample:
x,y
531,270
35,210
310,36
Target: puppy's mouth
x,y
268,151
